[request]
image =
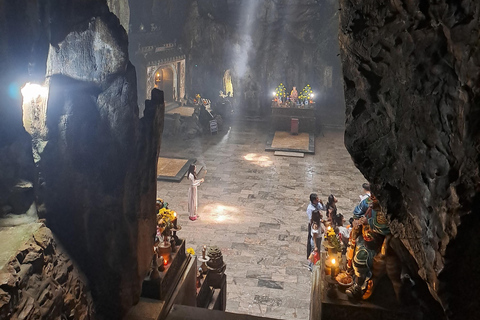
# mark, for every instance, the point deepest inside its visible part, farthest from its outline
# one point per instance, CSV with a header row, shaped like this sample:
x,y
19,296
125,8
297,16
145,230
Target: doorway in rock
x,y
227,83
164,81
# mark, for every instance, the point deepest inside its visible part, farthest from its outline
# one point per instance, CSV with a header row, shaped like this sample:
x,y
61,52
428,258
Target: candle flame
x,y
174,214
328,228
165,262
333,261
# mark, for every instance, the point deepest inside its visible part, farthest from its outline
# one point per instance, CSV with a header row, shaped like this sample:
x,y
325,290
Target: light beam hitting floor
x,y
255,212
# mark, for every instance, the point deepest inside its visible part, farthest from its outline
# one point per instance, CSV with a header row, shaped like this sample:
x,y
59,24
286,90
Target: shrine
x,y
160,66
293,112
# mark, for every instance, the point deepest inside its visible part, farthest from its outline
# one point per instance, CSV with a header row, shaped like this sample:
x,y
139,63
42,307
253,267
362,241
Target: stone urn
x,y
164,250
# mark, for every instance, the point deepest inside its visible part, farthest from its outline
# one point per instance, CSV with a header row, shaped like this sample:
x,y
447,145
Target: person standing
x,y
317,231
315,204
192,192
331,209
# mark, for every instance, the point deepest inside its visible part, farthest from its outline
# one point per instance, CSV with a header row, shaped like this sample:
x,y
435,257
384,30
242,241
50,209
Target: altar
x,y
329,300
282,116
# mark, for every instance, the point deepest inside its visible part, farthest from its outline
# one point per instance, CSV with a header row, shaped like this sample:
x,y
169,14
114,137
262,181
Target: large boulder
x,y
411,72
94,174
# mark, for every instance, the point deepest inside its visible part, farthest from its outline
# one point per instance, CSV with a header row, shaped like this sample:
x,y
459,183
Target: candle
x,y
332,272
204,251
161,265
175,220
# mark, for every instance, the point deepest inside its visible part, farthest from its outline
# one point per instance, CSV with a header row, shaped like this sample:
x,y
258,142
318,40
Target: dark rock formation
x,y
262,43
16,158
411,72
95,176
42,282
122,10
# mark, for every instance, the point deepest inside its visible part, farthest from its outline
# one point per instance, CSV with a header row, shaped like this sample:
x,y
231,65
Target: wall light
x,y
33,91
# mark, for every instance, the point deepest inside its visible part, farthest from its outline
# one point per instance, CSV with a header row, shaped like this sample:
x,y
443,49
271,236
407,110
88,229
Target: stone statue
x,y
294,95
366,242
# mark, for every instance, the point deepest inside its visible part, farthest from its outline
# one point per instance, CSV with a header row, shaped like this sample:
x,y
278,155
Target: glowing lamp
x,y
175,220
32,91
34,107
333,269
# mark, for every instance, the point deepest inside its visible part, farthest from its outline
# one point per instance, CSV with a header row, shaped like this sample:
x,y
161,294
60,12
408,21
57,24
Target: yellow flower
x,y
166,214
191,251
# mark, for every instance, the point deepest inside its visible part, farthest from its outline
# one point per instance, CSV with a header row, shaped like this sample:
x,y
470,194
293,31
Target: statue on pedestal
x,y
294,95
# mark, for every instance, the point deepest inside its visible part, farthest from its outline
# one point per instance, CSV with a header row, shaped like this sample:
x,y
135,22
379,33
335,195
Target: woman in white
x,y
192,192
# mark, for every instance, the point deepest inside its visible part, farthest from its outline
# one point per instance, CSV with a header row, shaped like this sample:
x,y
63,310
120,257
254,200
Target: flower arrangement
x,y
280,91
306,93
191,251
166,214
166,221
332,240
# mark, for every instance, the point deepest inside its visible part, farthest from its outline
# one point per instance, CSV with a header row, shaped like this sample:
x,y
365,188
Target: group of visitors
x,y
317,225
362,239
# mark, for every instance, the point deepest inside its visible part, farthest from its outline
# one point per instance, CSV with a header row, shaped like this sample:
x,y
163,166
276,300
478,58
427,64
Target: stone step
x,y
289,154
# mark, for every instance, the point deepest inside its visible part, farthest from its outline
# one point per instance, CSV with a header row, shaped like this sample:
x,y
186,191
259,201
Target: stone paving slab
x,y
252,205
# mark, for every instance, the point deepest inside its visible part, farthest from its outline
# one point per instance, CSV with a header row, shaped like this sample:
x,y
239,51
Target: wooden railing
x,y
317,289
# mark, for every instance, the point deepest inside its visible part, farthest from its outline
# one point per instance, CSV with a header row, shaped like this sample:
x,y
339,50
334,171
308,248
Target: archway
x,y
164,81
227,83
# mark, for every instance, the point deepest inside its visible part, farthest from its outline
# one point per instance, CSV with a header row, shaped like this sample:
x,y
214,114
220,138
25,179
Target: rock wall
x,y
16,158
42,282
411,72
95,176
262,43
122,10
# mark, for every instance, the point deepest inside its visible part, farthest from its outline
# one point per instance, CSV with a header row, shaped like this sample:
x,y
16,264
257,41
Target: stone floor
x,y
252,205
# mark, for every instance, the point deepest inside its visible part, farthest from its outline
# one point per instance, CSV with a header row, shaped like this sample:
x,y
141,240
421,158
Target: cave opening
x,y
228,84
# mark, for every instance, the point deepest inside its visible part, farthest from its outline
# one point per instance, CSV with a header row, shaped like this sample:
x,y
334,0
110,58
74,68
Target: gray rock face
x,y
16,160
122,10
94,54
95,179
99,168
411,72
